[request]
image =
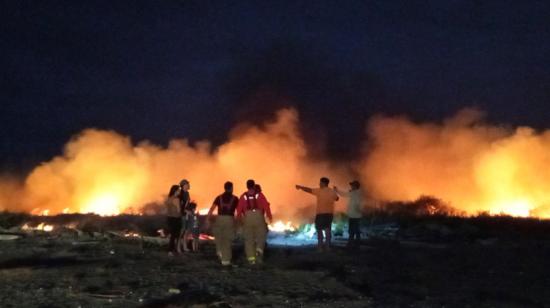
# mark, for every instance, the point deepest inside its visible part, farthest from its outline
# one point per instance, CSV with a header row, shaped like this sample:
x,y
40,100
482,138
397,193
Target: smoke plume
x,y
474,166
469,164
104,172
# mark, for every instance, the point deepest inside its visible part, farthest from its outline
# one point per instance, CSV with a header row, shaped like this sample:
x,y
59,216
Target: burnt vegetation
x,y
421,253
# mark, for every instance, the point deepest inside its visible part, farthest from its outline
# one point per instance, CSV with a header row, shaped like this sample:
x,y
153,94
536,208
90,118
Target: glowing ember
x,y
40,227
65,210
206,237
203,211
132,234
280,226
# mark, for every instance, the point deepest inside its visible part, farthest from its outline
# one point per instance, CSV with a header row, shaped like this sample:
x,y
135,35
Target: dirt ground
x,y
42,271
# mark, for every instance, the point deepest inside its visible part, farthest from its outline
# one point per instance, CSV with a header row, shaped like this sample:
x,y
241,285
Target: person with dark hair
x,y
224,224
326,198
173,218
353,212
258,188
185,199
253,207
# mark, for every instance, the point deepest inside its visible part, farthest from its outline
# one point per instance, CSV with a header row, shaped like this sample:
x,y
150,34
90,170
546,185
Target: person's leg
x,y
328,232
180,241
328,236
185,240
357,230
354,231
172,234
228,243
319,230
226,239
261,235
218,236
248,232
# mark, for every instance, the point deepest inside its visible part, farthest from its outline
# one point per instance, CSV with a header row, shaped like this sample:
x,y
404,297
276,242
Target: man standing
x,y
353,211
252,208
324,211
224,226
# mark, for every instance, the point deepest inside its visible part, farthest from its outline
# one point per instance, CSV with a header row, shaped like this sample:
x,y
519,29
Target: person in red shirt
x,y
253,207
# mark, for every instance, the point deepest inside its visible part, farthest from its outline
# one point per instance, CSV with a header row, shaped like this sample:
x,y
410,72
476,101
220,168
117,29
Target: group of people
x,y
182,219
251,209
324,216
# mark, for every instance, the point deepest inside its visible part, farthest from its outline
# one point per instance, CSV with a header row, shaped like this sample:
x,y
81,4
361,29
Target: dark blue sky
x,y
163,69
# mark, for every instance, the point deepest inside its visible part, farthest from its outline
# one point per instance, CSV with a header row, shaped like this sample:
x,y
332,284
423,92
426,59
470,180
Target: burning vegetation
x,y
468,167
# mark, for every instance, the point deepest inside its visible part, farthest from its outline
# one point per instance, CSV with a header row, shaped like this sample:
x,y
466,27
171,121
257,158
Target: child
x,y
195,230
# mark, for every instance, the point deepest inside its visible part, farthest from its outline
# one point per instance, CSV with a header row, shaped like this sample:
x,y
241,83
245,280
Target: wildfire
x,y
472,166
105,205
280,226
40,227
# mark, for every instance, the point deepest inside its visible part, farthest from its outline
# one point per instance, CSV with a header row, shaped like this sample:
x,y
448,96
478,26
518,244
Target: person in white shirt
x,y
353,211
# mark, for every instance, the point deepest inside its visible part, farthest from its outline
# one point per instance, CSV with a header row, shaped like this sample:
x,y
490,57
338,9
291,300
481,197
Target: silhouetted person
x,y
173,217
324,211
353,212
224,225
185,200
252,208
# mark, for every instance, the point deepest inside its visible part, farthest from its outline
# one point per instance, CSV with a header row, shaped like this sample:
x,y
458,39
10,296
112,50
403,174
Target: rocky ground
x,y
43,270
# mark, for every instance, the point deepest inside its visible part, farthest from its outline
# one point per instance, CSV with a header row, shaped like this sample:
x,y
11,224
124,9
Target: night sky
x,y
163,69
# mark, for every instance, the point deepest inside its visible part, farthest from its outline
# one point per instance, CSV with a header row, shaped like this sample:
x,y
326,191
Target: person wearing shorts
x,y
326,198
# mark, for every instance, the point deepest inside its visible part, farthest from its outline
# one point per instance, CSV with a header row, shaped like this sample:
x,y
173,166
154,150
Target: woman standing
x,y
173,218
185,200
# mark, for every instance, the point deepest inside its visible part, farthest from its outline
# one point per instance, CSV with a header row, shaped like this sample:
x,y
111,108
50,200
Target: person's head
x,y
258,188
174,190
250,184
323,182
185,185
192,207
228,187
354,185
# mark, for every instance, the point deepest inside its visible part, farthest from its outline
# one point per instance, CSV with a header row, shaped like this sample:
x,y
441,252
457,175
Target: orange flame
x,y
473,166
104,173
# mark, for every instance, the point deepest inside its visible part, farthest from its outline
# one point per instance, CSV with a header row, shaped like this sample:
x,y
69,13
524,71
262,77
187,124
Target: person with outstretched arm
x,y
326,198
353,212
